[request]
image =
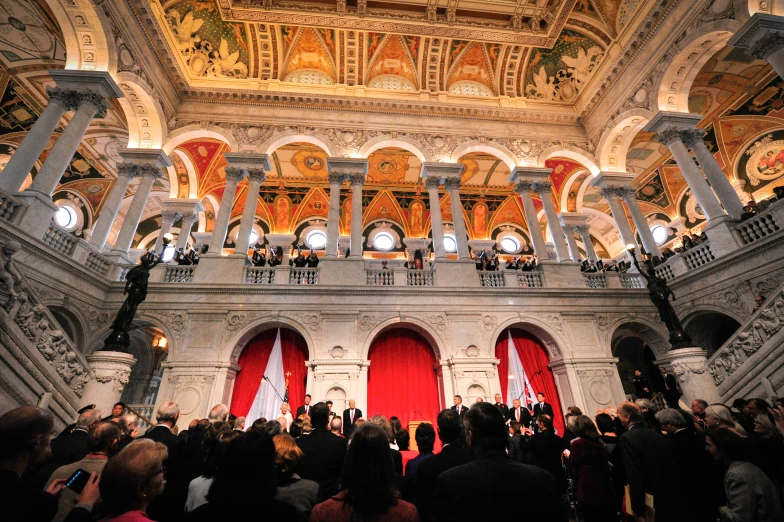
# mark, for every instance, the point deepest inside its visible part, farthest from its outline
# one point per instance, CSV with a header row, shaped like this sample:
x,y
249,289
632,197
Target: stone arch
x,y
644,328
145,318
144,115
338,394
203,214
499,151
577,154
195,131
401,142
697,47
426,330
231,350
193,177
617,138
285,138
86,36
565,191
71,321
474,390
637,344
555,344
710,327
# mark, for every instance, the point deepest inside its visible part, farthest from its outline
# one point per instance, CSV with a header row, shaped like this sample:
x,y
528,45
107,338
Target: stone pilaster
x,y
763,38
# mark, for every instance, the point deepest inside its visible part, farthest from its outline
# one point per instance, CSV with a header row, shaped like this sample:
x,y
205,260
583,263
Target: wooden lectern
x,y
412,427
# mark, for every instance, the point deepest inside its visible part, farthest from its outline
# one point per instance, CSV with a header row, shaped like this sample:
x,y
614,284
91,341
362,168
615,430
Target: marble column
x,y
436,222
103,225
333,215
726,193
233,177
543,188
111,371
629,195
149,173
255,178
585,234
188,219
357,183
169,217
572,242
91,105
612,195
763,38
23,160
537,239
458,220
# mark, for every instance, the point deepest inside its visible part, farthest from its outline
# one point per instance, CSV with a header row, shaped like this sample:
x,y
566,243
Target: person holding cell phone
x,y
100,442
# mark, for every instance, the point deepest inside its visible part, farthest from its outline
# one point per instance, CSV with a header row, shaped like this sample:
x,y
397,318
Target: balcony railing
x,y
664,271
11,209
758,227
178,274
595,280
60,240
491,278
420,278
259,275
530,280
699,255
97,263
631,281
303,276
383,277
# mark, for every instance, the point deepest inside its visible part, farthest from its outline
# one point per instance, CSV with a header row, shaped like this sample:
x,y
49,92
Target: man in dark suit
x,y
544,450
541,407
482,489
519,414
671,393
304,409
350,416
642,386
451,456
458,407
503,408
168,505
650,467
72,447
324,453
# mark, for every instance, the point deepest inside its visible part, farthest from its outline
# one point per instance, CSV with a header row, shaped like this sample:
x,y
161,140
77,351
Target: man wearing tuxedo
x,y
305,409
671,393
458,407
519,414
350,416
503,408
540,408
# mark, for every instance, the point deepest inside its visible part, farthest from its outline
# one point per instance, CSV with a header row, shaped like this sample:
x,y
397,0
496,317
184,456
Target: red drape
x,y
253,362
535,364
401,378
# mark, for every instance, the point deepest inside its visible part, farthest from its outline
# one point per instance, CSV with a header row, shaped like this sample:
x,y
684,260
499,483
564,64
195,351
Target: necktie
x,y
307,410
517,414
352,416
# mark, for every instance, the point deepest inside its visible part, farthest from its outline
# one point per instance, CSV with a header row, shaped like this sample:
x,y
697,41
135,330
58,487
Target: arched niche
x,y
475,390
143,114
71,324
616,140
196,132
232,350
710,329
637,345
571,152
339,397
494,149
86,34
384,142
286,138
424,329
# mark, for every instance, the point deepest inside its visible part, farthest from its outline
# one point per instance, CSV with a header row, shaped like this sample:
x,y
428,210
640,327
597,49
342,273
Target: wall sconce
x,y
160,342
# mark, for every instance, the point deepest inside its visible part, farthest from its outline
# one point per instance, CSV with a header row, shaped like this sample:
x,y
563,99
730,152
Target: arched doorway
x,y
637,347
402,379
524,371
253,398
710,330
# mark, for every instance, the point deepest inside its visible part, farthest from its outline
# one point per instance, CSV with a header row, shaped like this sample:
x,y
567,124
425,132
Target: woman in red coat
x,y
368,484
590,468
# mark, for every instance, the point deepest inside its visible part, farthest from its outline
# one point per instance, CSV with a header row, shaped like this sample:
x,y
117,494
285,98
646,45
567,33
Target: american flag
x,y
286,395
527,394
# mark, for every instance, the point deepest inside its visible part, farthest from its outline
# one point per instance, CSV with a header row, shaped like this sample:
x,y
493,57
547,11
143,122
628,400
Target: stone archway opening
x,y
710,330
637,347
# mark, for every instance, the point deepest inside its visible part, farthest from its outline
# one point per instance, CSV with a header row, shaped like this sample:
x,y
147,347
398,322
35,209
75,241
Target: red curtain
x,y
535,364
401,377
253,362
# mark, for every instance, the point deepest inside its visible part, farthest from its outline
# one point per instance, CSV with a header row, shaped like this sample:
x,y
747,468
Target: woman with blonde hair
x,y
720,416
132,479
299,493
286,412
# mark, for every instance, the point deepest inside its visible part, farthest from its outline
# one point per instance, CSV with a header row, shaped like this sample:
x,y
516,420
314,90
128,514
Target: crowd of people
x,y
589,266
708,463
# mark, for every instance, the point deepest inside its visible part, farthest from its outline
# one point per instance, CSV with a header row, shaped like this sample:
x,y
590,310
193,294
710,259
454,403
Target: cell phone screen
x,y
78,480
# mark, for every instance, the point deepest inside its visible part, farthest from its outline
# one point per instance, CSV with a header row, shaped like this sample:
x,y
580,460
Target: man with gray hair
x,y
219,412
284,423
168,506
671,421
70,448
336,426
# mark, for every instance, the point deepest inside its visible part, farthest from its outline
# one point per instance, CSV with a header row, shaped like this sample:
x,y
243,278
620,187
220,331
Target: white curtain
x,y
518,384
267,403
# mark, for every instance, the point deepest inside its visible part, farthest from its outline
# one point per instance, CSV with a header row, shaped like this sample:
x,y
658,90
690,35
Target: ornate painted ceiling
x,y
508,53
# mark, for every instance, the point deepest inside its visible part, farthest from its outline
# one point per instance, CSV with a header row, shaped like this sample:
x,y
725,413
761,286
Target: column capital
x,y
97,101
523,187
530,174
573,219
234,173
127,170
357,179
247,161
664,120
673,134
613,191
612,179
432,182
170,215
582,229
183,206
155,157
542,188
336,178
692,137
441,171
347,166
452,183
568,229
257,175
189,216
758,34
68,98
150,171
100,82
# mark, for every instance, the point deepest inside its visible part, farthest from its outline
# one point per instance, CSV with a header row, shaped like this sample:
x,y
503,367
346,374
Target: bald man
x,y
24,442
